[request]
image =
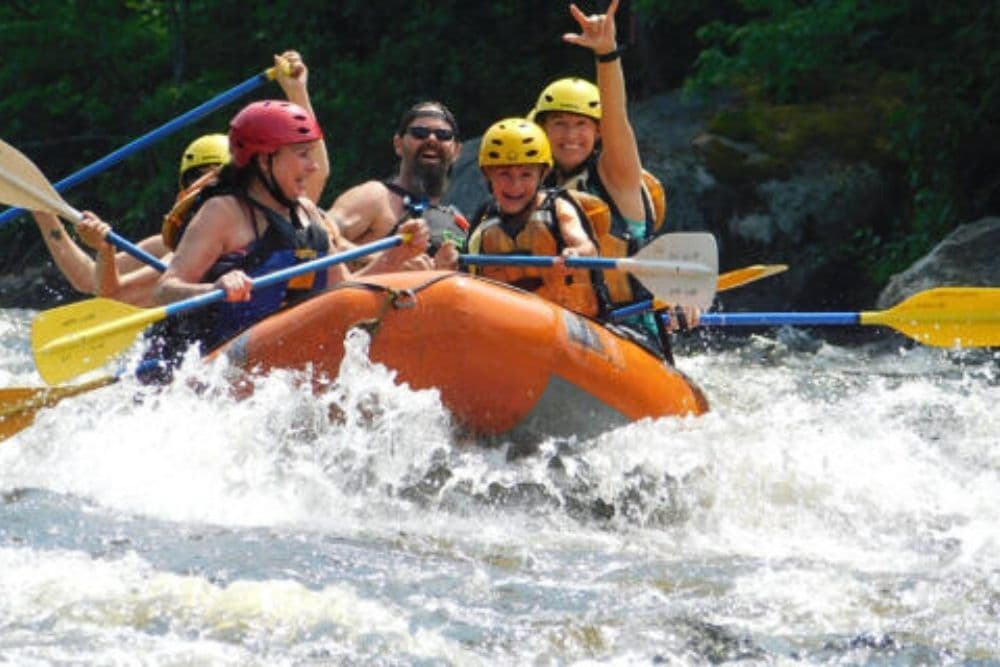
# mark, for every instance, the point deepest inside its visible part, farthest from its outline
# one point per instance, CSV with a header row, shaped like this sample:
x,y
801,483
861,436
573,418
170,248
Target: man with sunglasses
x,y
427,144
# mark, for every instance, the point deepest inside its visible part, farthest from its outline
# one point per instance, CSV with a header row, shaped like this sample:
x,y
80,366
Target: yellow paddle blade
x,y
748,274
71,340
946,317
19,405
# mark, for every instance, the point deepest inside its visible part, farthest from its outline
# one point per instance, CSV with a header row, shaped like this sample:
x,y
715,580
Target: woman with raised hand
x,y
595,150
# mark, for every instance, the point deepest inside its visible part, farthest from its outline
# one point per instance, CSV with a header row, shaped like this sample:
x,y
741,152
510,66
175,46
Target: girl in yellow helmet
x,y
523,219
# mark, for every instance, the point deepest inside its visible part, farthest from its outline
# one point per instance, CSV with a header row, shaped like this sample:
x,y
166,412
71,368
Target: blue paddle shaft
x,y
149,138
636,308
286,274
779,319
134,250
531,260
750,319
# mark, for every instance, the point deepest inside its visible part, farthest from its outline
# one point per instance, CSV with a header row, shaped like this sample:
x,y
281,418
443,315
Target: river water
x,y
838,505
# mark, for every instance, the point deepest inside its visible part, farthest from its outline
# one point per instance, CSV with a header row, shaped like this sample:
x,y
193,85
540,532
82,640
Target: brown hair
x,y
428,109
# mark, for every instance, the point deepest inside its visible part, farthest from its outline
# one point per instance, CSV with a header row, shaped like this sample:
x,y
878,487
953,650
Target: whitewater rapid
x,y
838,504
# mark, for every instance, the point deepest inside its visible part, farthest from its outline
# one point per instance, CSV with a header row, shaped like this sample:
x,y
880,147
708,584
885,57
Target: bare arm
x,y
72,260
296,88
152,244
573,232
619,165
357,209
135,285
208,237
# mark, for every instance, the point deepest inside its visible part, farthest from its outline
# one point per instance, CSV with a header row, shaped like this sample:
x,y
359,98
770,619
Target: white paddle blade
x,y
681,268
23,185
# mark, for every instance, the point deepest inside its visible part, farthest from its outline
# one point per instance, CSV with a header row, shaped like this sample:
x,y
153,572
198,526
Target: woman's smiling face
x,y
293,165
572,137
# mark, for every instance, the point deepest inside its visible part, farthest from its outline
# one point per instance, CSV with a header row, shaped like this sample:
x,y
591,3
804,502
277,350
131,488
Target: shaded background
x,y
912,88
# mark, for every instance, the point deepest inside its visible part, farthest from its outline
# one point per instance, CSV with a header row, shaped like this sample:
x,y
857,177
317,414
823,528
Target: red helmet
x,y
265,126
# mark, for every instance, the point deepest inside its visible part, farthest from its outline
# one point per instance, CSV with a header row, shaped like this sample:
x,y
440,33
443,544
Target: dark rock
x,y
966,257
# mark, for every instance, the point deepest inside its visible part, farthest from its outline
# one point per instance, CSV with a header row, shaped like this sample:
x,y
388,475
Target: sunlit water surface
x,y
838,505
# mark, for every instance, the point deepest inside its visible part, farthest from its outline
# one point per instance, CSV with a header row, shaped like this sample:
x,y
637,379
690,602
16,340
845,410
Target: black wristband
x,y
611,56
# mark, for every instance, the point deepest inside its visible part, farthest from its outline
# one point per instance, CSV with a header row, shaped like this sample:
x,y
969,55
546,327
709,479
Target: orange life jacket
x,y
185,206
539,236
654,195
611,240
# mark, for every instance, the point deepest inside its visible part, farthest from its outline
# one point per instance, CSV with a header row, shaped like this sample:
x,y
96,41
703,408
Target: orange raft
x,y
505,361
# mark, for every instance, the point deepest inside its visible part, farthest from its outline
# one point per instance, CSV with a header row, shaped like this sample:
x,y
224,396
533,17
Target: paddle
x,y
71,340
740,277
679,268
23,184
18,406
727,281
153,136
942,317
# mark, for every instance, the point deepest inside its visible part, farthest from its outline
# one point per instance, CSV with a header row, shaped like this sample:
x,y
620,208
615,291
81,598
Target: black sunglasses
x,y
421,132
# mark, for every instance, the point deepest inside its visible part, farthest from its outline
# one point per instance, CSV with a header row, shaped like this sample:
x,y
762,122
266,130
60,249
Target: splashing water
x,y
837,505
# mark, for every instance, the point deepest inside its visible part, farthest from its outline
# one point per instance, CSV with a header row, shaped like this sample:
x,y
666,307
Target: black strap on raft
x,y
398,299
664,336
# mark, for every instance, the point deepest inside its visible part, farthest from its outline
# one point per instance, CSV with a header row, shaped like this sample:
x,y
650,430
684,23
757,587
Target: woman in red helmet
x,y
258,219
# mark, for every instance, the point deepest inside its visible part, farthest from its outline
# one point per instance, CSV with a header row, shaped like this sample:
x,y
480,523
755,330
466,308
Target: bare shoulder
x,y
216,207
361,196
364,212
215,217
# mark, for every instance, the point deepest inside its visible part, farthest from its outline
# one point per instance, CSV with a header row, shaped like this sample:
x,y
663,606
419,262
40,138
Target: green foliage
x,y
795,51
906,84
942,132
88,77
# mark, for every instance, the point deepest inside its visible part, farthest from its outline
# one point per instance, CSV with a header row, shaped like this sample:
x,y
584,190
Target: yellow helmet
x,y
209,149
572,95
514,141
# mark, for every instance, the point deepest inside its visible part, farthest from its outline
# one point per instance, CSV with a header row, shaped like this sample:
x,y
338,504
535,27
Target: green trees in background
x,y
82,77
929,72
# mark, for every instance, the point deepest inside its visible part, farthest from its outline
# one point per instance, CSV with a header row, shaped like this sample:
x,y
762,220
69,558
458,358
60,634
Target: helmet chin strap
x,y
271,184
566,175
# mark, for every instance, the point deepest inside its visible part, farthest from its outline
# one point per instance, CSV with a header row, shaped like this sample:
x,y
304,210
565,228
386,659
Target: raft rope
x,y
395,298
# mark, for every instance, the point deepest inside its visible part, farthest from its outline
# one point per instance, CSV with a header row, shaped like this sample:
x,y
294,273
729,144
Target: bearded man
x,y
427,144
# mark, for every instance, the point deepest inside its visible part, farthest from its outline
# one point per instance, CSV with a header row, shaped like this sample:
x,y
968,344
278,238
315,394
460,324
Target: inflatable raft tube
x,y
505,361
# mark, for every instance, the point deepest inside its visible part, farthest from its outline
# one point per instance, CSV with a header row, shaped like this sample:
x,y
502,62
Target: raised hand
x,y
597,31
292,73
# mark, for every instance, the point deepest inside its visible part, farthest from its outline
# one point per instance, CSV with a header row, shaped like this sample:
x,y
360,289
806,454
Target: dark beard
x,y
431,179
